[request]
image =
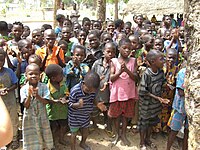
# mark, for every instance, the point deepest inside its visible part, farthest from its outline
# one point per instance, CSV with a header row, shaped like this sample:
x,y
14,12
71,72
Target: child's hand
x,y
101,106
164,101
3,92
19,59
75,61
181,92
104,86
102,77
80,103
63,100
171,87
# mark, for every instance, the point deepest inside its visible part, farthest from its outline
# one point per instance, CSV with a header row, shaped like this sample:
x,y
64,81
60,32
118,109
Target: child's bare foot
x,y
115,140
84,146
125,140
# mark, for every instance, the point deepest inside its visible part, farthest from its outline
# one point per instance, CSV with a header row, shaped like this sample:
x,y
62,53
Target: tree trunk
x,y
101,10
192,83
56,6
116,9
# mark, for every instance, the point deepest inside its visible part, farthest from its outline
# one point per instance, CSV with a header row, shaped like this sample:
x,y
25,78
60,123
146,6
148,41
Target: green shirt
x,y
57,111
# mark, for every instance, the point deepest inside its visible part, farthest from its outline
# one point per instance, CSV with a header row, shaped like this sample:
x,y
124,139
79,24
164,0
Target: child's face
x,y
159,61
67,23
66,34
127,29
2,61
64,47
86,25
139,20
125,50
167,20
158,45
26,50
110,27
93,41
120,36
181,31
36,37
50,39
106,38
109,51
33,75
150,42
134,42
167,35
87,89
97,26
17,31
79,54
171,58
58,78
82,36
76,28
26,32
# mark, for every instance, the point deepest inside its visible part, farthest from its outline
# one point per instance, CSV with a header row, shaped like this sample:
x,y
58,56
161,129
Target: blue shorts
x,y
177,121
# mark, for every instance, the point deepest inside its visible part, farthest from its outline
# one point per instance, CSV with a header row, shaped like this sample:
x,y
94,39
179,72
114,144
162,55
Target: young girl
x,y
34,95
150,97
123,89
102,68
57,112
37,38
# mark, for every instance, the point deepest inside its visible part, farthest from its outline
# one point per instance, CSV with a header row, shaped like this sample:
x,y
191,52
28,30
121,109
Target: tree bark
x,y
101,10
116,9
192,83
56,6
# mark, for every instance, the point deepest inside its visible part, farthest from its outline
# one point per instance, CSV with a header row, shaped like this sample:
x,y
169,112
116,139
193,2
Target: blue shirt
x,y
179,102
80,117
11,74
24,64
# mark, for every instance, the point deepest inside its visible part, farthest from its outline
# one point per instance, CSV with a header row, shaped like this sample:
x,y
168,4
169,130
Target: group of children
x,y
65,79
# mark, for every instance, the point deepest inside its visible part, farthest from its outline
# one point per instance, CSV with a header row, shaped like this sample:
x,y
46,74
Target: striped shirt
x,y
80,117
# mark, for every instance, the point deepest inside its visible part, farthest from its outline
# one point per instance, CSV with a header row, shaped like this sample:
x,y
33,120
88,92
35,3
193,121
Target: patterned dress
x,y
36,129
149,108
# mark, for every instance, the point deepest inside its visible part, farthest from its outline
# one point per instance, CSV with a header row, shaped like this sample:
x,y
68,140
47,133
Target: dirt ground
x,y
98,140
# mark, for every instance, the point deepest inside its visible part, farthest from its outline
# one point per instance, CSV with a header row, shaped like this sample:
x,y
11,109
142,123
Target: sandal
x,y
14,145
151,145
143,147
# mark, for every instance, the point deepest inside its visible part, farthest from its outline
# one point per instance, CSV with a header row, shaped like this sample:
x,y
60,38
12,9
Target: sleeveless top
x,y
124,87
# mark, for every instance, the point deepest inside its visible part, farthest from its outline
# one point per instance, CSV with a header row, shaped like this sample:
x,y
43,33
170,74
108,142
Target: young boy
x,y
102,68
8,84
50,53
80,106
75,69
178,117
150,97
57,112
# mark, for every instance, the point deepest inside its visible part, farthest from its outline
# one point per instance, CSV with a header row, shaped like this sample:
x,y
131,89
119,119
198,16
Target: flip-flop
x,y
110,133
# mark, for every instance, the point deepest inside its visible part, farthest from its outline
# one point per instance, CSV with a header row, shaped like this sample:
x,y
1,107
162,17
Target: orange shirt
x,y
51,59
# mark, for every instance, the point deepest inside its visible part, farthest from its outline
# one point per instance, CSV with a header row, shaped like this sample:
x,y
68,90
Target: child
x,y
34,95
105,38
166,26
8,84
64,46
110,28
21,61
57,112
26,32
178,117
170,71
66,35
50,53
159,44
60,18
135,45
37,38
97,25
94,52
75,69
86,23
150,97
123,90
127,28
80,106
102,68
17,31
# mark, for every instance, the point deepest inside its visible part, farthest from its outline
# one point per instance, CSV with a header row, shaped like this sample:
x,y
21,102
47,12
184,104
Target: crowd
x,y
64,78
